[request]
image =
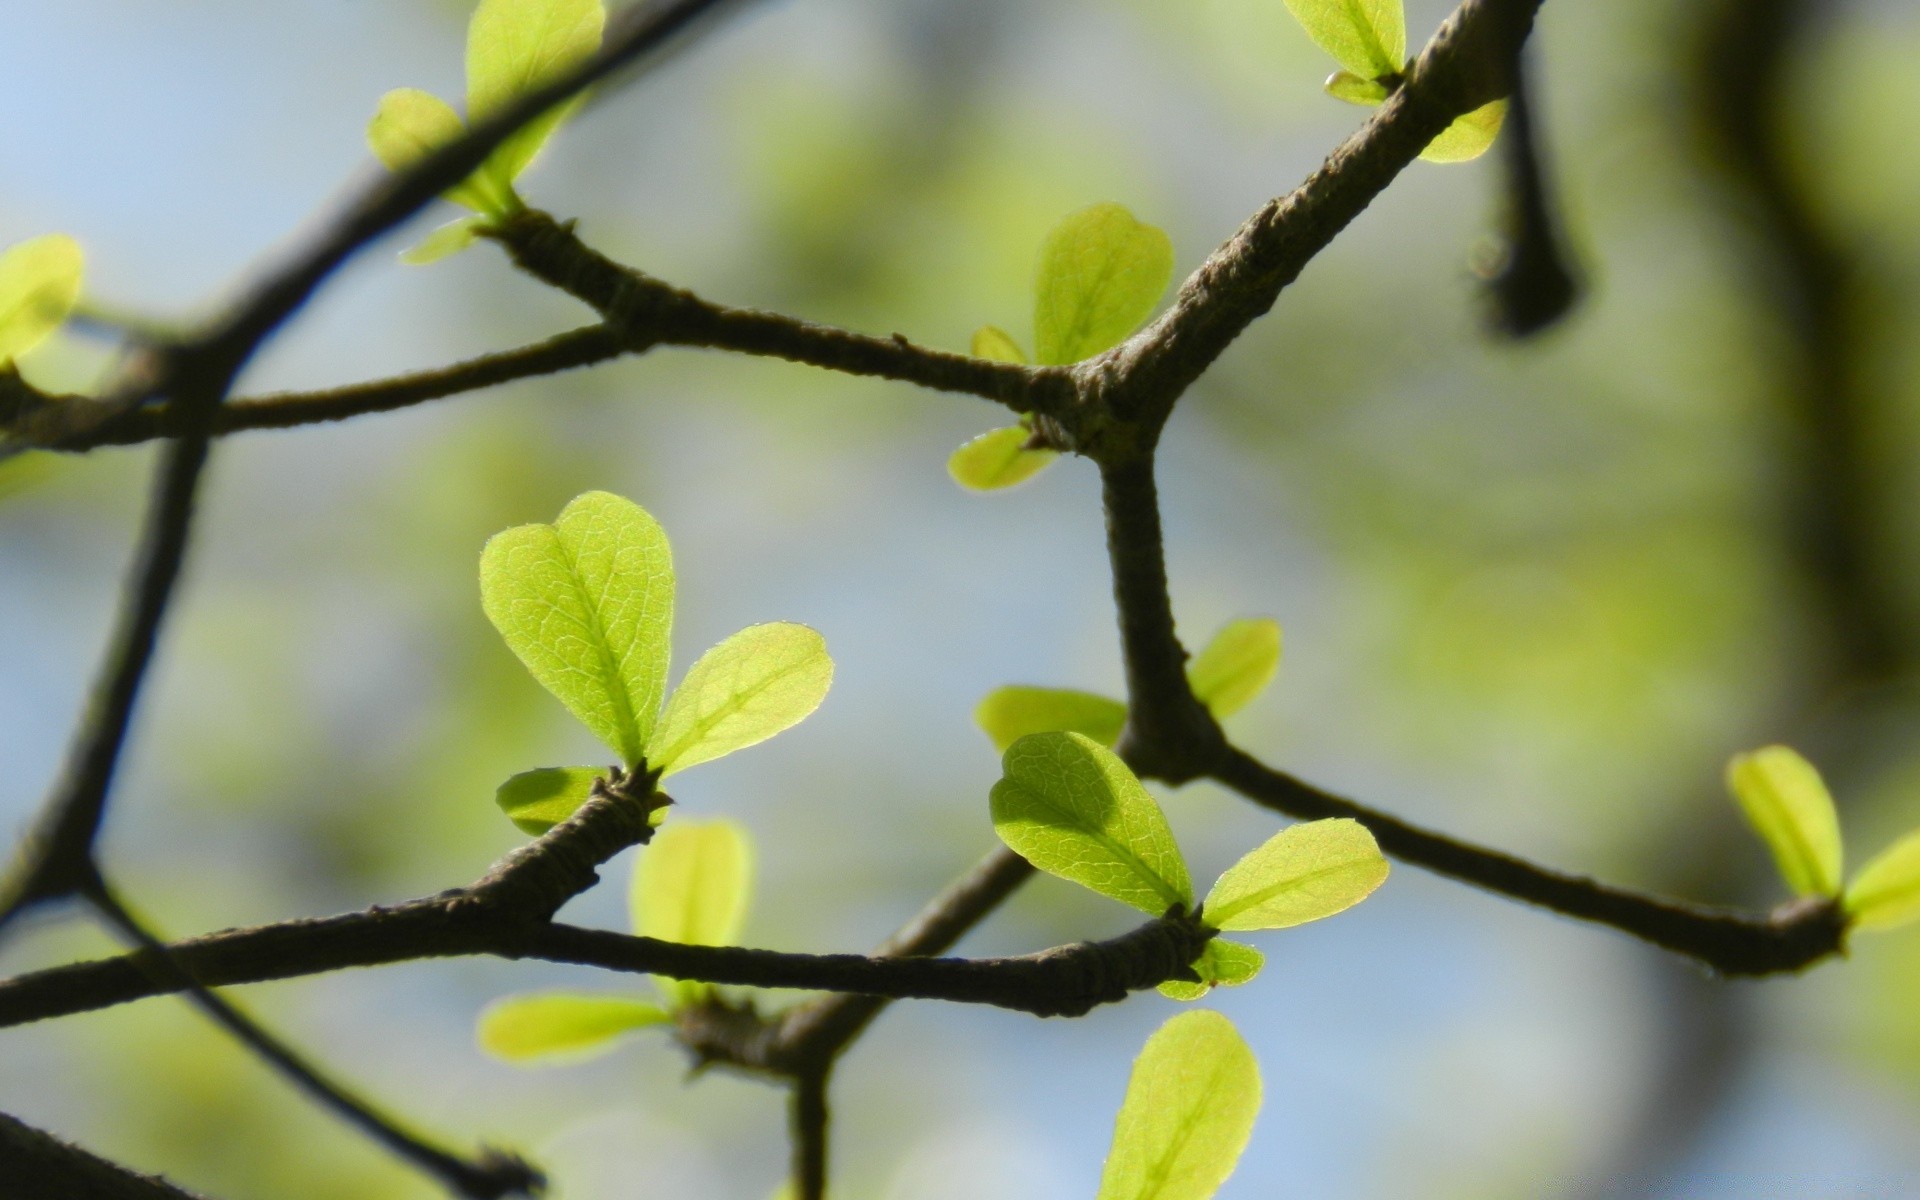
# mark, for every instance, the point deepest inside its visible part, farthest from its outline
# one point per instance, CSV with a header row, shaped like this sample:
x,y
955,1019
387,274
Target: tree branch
x,y
808,1127
39,1166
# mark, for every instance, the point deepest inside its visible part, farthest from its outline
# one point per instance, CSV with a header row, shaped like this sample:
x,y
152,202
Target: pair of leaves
x,y
1189,1110
587,604
1069,806
1101,273
514,47
1368,38
692,884
1789,806
39,285
1234,668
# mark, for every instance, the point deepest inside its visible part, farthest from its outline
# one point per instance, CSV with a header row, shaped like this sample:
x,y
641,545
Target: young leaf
x,y
993,342
527,1027
1345,85
1788,805
587,604
1303,873
1886,892
1237,665
692,885
1221,964
1469,135
1101,274
518,46
758,682
998,458
538,800
1190,1106
411,124
39,285
451,238
1008,714
1367,37
1069,806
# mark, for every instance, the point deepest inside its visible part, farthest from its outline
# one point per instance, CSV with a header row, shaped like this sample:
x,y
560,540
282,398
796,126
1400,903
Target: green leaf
x,y
1469,136
515,47
1237,665
993,342
1008,714
758,682
1367,37
1886,892
998,458
1221,964
692,885
587,605
538,800
1789,807
1345,85
1069,806
39,285
411,124
451,238
1303,873
555,1024
1190,1106
1101,274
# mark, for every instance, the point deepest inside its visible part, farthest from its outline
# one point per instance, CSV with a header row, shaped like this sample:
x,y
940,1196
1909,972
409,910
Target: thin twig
x,y
808,1121
39,1166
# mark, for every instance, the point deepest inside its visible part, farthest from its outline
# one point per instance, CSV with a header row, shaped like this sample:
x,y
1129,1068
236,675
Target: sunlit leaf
x,y
451,238
1788,805
692,884
515,47
1101,274
1469,136
1069,806
1303,873
998,458
1367,37
1221,964
1886,892
1190,1107
1008,714
1345,85
556,1025
993,342
587,605
411,124
538,800
762,680
1236,665
39,285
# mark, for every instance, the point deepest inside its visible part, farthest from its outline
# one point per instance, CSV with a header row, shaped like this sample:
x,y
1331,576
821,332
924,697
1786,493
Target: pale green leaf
x,y
762,680
1367,37
1469,136
515,47
587,605
538,800
1345,85
1788,806
451,238
1237,664
1069,806
1010,713
1886,892
1221,964
1101,274
39,285
1190,1107
998,458
411,124
1303,873
993,342
692,884
557,1025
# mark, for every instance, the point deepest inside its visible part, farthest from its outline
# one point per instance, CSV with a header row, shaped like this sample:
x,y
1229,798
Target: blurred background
x,y
1534,594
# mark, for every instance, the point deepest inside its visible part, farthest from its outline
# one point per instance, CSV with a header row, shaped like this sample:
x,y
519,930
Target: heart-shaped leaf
x,y
411,124
997,459
1886,892
1303,873
1469,135
758,682
515,47
1788,805
557,1025
1221,964
1367,37
39,285
538,800
1069,806
1101,274
1237,665
995,343
1190,1107
692,885
1010,713
587,604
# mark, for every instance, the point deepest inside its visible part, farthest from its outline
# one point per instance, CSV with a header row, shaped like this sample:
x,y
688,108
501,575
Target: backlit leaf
x,y
1190,1107
519,1028
1303,873
39,285
1886,892
692,885
1101,274
1345,85
1008,714
1221,964
1469,135
1069,806
411,124
993,342
515,47
587,605
451,238
1367,37
538,800
998,458
1788,805
1236,665
758,682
